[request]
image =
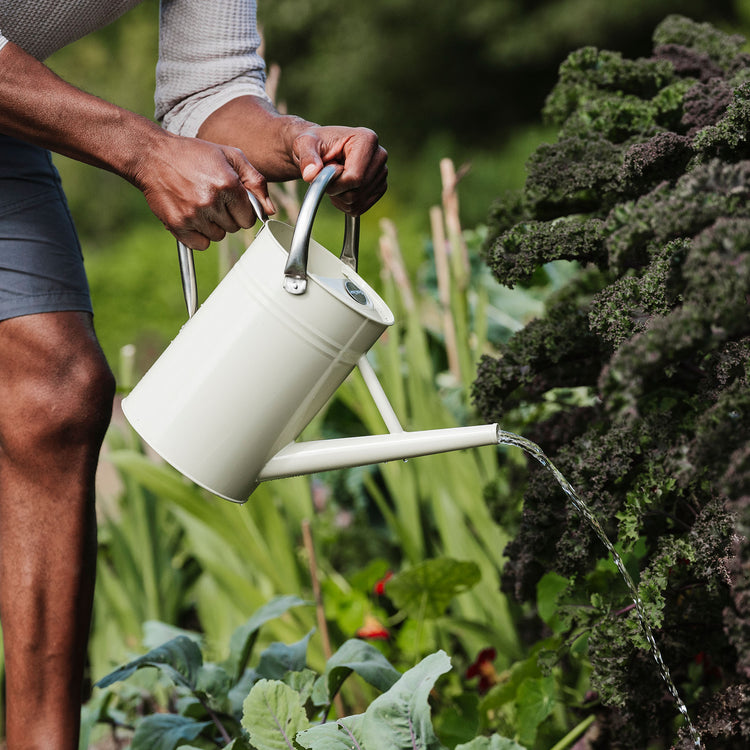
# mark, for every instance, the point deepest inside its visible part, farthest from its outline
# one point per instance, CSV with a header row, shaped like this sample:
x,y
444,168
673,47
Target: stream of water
x,y
508,438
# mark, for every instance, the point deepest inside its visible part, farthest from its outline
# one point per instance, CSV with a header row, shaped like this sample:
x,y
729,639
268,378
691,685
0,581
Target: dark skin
x,y
56,389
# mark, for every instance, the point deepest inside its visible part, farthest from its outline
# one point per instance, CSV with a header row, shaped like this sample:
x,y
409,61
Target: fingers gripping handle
x,y
187,263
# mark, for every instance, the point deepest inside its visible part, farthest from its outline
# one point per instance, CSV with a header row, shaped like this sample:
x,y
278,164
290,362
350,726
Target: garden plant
x,y
636,378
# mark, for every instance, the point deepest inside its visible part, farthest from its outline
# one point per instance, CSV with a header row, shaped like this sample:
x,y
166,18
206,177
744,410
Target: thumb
x,y
307,150
252,180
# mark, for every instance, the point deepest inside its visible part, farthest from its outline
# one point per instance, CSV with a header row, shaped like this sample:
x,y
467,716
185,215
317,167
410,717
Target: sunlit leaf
x,y
398,720
272,715
427,589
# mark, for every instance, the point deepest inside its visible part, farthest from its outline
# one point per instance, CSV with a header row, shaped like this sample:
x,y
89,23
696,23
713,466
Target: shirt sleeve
x,y
208,55
3,40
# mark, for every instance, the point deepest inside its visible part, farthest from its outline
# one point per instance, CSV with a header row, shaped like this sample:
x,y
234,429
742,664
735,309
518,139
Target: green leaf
x,y
360,657
303,682
426,589
398,720
280,658
239,743
536,699
179,658
165,731
335,735
458,719
272,715
550,586
156,633
244,637
212,684
495,742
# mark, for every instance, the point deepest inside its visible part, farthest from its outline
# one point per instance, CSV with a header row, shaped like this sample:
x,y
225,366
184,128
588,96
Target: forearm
x,y
197,189
38,106
265,137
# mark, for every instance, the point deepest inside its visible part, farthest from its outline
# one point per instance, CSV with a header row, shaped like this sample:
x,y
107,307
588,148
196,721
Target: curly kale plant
x,y
637,378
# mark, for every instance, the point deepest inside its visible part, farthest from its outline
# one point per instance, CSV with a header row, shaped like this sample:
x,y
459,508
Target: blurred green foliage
x,y
434,79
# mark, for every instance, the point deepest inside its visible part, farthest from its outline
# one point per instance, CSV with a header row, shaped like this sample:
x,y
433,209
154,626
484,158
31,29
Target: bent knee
x,y
66,407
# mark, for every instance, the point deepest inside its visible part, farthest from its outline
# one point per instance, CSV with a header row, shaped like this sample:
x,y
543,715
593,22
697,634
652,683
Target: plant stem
x,y
222,729
574,733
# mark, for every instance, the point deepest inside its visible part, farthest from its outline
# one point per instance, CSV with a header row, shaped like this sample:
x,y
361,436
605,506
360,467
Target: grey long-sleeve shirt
x,y
207,49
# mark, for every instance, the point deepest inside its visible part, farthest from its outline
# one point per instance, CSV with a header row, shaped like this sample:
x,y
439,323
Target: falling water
x,y
508,438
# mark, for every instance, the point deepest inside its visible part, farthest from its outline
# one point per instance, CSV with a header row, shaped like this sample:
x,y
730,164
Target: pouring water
x,y
508,438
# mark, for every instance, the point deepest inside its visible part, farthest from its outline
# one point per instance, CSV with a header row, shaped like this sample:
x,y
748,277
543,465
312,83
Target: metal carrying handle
x,y
187,263
295,272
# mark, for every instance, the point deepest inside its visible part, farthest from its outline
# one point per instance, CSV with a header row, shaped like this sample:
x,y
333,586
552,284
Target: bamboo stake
x,y
444,289
393,261
450,181
319,609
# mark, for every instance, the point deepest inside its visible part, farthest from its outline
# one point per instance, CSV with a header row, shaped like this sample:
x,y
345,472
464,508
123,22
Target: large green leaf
x,y
180,659
244,637
165,732
397,720
355,656
427,589
273,715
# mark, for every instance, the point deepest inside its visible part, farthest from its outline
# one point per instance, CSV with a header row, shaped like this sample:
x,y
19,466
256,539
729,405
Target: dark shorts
x,y
41,266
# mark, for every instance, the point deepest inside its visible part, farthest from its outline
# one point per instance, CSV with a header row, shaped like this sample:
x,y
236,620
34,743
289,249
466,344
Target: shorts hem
x,y
45,304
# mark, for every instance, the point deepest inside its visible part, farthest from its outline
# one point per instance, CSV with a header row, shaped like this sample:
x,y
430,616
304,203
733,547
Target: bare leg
x,y
55,404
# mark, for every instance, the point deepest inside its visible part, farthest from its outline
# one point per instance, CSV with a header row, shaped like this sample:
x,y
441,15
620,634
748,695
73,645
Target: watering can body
x,y
262,355
255,364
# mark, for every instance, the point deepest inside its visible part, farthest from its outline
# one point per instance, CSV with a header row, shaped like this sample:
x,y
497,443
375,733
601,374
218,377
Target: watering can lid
x,y
353,291
337,278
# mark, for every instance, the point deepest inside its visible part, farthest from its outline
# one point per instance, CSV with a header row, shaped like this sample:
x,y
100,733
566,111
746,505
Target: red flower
x,y
484,669
373,629
379,587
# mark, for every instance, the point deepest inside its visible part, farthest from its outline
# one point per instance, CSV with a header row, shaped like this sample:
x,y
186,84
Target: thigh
x,y
41,266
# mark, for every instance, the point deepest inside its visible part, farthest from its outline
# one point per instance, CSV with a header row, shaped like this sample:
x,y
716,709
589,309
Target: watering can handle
x,y
187,263
295,272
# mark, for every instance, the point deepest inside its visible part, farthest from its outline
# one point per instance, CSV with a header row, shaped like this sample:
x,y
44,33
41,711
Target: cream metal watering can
x,y
262,355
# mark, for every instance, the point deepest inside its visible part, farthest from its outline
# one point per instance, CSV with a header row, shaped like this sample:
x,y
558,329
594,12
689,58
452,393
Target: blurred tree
x,y
414,68
425,74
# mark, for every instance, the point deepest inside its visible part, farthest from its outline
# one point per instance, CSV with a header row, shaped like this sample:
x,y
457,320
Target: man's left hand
x,y
362,176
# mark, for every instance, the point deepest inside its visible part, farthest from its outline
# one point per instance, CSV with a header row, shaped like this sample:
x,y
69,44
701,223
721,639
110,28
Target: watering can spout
x,y
324,455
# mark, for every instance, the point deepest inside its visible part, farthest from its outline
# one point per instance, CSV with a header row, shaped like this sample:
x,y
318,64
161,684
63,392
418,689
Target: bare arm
x,y
197,189
284,147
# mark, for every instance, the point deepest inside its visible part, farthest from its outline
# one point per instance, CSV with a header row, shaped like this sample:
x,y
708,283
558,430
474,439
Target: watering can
x,y
226,401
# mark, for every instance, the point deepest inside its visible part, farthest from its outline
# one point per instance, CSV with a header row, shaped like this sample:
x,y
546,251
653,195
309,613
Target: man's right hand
x,y
199,189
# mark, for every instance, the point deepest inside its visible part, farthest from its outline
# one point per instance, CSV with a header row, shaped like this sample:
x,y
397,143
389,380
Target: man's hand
x,y
199,189
362,176
285,147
